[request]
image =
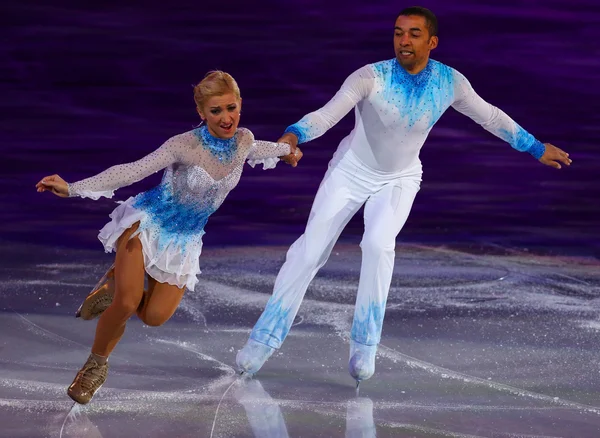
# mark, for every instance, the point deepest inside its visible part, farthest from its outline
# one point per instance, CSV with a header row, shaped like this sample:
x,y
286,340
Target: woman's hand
x,y
54,184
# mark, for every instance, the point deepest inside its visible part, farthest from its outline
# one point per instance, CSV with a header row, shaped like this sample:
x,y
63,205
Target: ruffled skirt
x,y
166,259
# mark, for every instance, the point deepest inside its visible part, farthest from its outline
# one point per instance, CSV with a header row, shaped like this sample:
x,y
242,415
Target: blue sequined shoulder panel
x,y
222,149
426,94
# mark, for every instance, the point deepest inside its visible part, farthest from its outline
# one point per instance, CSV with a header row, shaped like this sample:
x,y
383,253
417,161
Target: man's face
x,y
412,42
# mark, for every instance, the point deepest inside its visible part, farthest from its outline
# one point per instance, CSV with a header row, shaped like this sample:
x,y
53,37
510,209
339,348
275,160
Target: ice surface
x,y
478,343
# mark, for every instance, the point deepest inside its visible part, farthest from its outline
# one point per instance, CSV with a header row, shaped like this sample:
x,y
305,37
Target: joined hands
x,y
296,154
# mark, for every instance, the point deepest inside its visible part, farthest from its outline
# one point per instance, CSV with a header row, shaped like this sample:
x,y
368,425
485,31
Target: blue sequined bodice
x,y
172,214
180,206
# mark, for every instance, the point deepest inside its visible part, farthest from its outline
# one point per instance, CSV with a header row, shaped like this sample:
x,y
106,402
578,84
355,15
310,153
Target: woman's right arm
x,y
113,178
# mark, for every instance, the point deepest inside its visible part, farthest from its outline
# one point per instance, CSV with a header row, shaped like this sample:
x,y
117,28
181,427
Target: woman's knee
x,y
155,317
125,306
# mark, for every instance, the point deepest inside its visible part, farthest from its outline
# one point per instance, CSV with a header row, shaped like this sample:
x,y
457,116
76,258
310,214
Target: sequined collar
x,y
420,78
222,149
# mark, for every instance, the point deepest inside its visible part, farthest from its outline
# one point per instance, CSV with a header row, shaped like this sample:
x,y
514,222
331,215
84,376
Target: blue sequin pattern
x,y
395,111
523,141
367,324
222,149
273,325
300,130
176,219
426,94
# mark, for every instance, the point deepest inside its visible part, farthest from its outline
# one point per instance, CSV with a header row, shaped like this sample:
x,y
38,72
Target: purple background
x,y
86,87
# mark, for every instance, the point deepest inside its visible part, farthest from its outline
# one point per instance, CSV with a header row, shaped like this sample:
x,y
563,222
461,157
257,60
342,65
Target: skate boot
x,y
253,356
88,381
100,298
361,365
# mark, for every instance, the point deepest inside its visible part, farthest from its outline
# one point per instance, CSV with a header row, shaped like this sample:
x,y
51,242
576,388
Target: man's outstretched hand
x,y
553,156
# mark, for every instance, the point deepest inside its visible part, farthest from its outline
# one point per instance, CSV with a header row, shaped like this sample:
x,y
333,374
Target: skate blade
x,y
102,280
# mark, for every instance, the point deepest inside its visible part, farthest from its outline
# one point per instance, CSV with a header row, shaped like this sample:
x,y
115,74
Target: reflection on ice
x,y
267,421
264,414
359,418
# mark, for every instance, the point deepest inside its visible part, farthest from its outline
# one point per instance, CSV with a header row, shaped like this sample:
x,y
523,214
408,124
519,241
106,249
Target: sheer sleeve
x,y
262,152
105,183
492,119
267,153
354,89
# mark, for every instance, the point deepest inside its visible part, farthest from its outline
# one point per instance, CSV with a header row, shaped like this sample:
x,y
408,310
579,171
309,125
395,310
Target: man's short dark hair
x,y
430,18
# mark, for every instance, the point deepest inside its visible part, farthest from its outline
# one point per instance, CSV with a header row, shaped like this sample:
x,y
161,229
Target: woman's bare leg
x,y
160,302
129,289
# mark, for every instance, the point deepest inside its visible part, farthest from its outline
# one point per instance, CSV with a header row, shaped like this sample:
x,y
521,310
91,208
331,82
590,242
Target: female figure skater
x,y
159,232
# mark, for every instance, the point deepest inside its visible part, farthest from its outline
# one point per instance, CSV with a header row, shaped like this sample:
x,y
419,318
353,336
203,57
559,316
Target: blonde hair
x,y
215,83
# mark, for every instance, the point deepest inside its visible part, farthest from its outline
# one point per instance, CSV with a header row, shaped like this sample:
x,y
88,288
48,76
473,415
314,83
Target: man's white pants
x,y
347,185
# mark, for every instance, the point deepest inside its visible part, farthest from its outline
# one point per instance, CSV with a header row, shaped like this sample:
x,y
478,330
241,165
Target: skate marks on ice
x,y
247,409
177,376
515,284
44,349
77,424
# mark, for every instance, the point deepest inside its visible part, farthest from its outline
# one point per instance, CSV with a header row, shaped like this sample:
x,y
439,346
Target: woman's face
x,y
222,115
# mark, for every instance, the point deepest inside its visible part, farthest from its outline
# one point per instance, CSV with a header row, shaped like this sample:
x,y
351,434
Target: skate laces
x,y
90,375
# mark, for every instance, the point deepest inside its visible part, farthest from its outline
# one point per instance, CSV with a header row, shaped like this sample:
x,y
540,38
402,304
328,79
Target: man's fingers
x,y
550,162
565,160
554,156
560,155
